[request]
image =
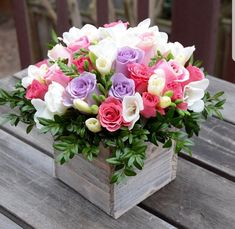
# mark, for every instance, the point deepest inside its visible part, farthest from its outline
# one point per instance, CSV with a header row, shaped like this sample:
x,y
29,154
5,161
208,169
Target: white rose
x,y
132,105
93,125
53,98
34,73
193,94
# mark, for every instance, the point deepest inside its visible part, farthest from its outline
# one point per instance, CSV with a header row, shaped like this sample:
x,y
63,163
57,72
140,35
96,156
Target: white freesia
x,y
156,82
41,111
193,94
52,105
103,65
132,105
74,34
93,125
59,51
34,73
181,54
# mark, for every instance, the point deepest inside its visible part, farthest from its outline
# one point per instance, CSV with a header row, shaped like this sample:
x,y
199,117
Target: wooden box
x,y
92,179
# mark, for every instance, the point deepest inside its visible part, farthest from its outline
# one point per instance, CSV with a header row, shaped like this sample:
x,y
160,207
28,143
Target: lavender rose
x,y
127,55
81,87
122,86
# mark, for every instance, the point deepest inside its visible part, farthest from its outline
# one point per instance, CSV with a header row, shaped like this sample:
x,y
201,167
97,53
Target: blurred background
x,y
25,27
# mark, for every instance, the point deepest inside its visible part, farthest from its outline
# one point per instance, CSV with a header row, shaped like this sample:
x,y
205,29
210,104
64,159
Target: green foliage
x,y
213,104
16,100
158,57
68,71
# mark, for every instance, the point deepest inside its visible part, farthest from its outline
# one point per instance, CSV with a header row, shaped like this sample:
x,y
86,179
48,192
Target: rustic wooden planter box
x,y
92,179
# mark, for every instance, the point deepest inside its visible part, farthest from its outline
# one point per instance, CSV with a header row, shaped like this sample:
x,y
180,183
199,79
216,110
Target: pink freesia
x,y
56,75
110,114
79,63
140,73
150,105
82,42
36,90
195,74
112,24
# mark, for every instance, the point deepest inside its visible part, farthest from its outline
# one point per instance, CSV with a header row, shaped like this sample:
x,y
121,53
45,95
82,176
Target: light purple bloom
x,y
122,86
127,55
81,87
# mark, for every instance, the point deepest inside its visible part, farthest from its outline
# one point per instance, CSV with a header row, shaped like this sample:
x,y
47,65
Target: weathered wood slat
x,y
196,199
7,223
45,202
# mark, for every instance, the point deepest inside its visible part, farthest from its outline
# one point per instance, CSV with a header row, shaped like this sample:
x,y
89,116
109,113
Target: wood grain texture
x,y
196,199
44,202
6,223
92,178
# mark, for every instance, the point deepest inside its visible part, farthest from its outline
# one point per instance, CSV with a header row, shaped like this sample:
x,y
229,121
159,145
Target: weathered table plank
x,y
44,202
6,223
196,199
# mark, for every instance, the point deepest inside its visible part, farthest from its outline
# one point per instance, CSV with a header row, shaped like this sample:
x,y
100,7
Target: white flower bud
x,y
93,125
165,101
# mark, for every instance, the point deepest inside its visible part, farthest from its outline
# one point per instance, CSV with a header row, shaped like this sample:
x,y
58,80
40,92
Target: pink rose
x,y
55,74
150,105
110,114
140,73
195,74
177,89
173,71
36,90
112,24
82,42
79,63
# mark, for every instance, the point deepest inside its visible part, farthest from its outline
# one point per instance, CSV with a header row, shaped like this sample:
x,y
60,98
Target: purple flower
x,y
81,87
121,86
127,55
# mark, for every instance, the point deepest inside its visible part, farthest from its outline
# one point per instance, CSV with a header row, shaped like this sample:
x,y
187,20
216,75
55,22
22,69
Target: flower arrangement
x,y
119,86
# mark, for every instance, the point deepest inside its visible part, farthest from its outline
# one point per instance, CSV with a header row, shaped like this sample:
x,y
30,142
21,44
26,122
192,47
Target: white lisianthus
x,y
165,101
181,54
52,105
59,51
93,125
132,105
156,82
106,49
34,73
193,94
103,65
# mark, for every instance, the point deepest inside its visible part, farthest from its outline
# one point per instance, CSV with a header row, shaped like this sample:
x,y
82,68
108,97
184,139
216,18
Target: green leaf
x,y
129,172
168,144
113,161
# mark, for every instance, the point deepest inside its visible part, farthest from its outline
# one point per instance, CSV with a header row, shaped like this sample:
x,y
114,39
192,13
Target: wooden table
x,y
202,196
